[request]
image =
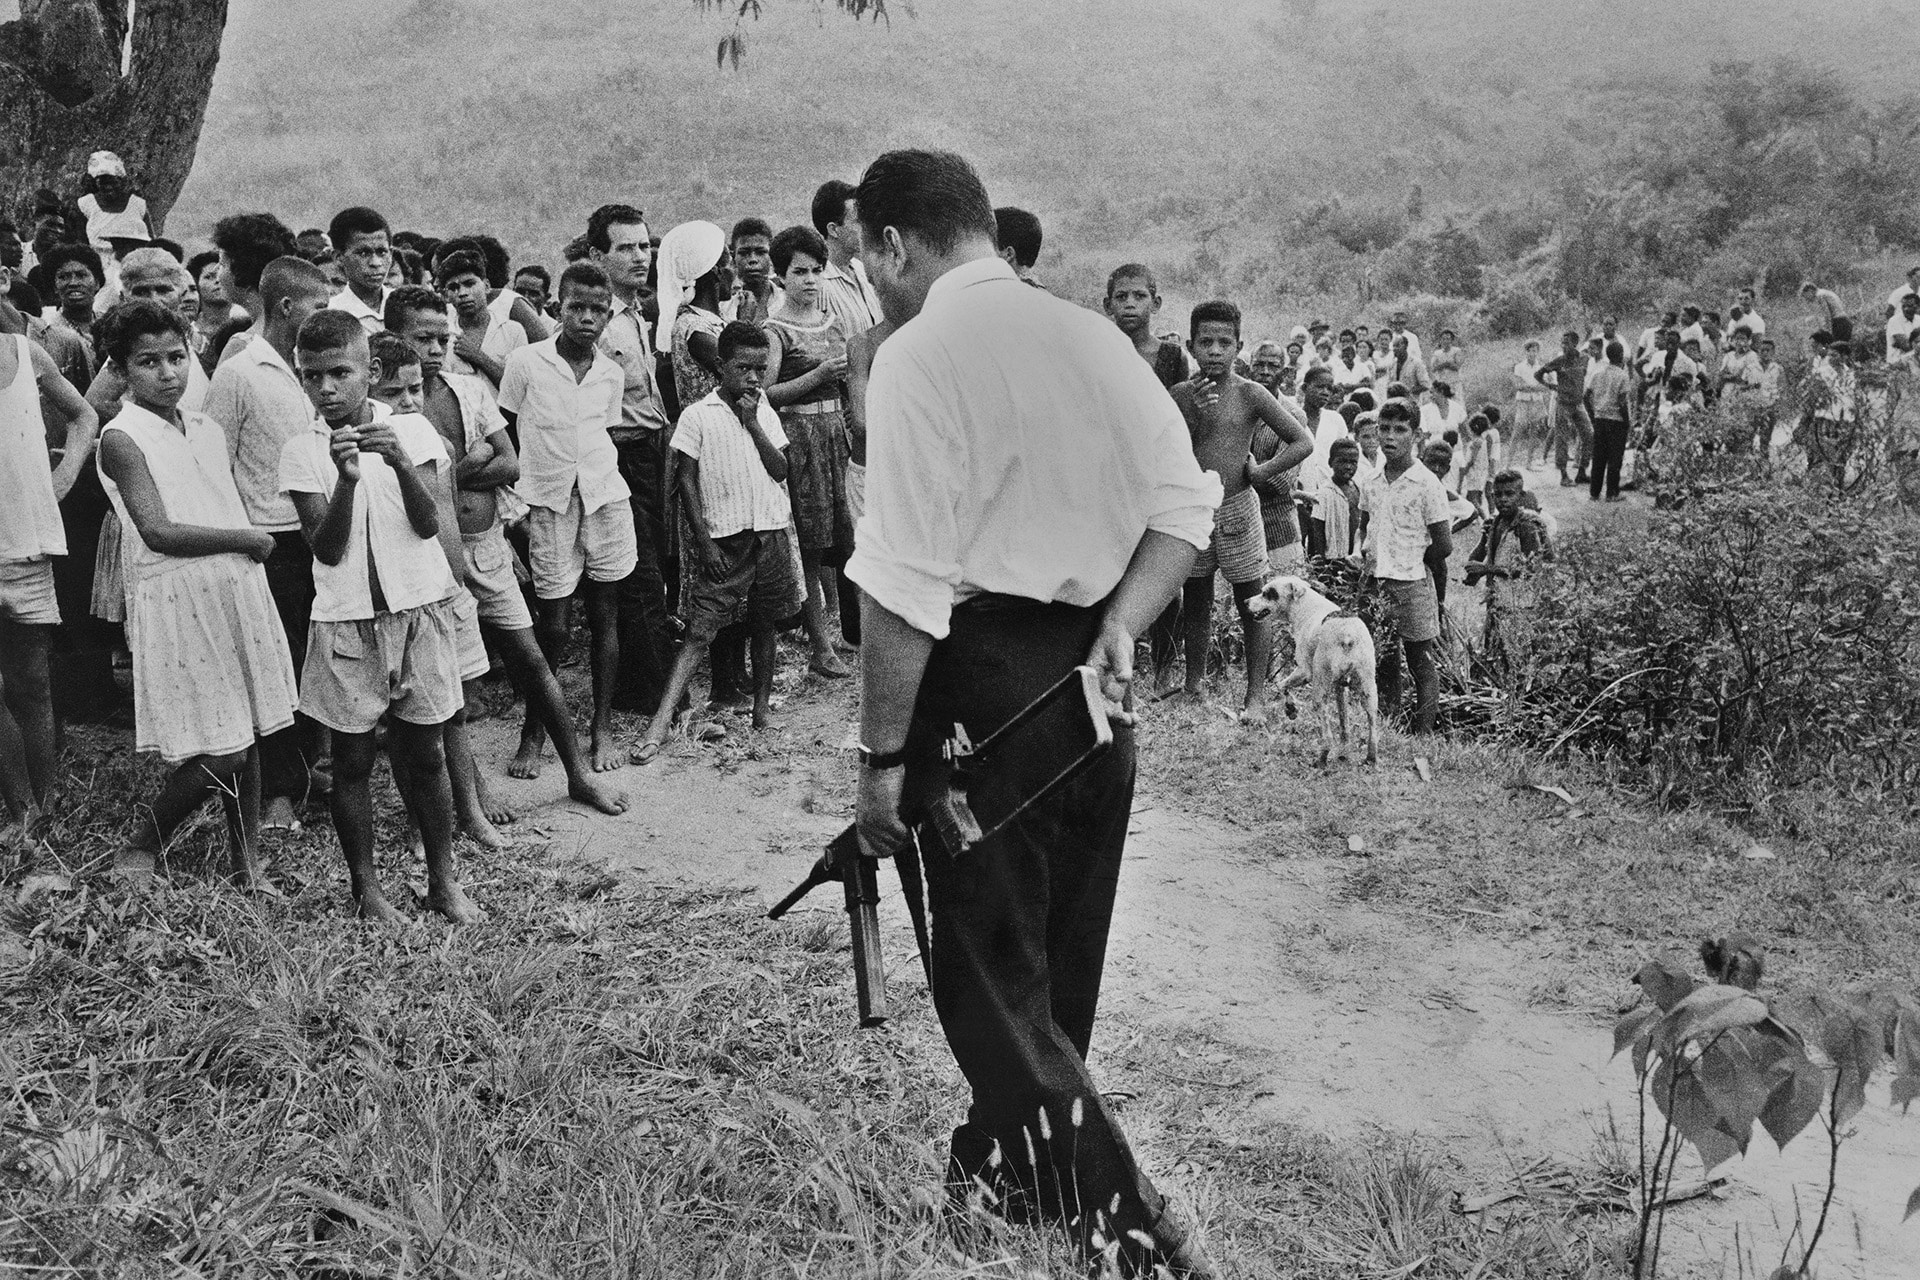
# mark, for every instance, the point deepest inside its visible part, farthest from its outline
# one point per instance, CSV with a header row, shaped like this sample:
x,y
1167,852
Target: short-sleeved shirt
x,y
413,570
258,402
502,339
1398,513
564,426
736,493
624,341
371,319
847,296
1570,378
1611,392
1744,368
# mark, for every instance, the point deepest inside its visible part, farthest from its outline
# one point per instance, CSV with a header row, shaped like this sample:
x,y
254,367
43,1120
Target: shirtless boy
x,y
1223,411
1133,299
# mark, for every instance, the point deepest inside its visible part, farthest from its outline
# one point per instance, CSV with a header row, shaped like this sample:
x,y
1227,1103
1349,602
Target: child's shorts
x,y
407,663
755,583
1239,546
1416,609
491,578
474,662
563,545
26,592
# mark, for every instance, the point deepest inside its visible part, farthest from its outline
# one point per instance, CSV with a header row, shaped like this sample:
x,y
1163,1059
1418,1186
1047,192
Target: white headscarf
x,y
687,252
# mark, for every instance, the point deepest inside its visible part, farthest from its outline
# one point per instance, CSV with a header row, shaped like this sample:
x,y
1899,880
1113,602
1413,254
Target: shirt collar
x,y
978,271
260,351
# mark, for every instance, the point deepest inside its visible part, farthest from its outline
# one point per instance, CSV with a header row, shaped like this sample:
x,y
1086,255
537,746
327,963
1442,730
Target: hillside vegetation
x,y
1270,150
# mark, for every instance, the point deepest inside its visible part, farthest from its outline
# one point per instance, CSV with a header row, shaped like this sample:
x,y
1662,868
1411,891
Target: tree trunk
x,y
62,95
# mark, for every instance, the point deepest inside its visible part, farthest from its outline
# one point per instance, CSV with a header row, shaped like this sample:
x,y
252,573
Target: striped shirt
x,y
736,493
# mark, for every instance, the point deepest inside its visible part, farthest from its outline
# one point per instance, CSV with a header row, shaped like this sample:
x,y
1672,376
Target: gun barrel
x,y
863,917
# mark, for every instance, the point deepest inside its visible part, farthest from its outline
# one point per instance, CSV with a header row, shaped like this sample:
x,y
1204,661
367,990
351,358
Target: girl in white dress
x,y
211,669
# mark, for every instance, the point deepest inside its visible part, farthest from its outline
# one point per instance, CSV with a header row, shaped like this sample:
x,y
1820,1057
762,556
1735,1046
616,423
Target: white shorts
x,y
491,577
26,592
600,544
468,641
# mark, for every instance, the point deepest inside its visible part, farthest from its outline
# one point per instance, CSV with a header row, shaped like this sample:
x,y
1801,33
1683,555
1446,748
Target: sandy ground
x,y
1335,1014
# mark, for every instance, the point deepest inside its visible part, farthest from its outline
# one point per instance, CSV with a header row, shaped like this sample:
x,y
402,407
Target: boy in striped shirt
x,y
732,463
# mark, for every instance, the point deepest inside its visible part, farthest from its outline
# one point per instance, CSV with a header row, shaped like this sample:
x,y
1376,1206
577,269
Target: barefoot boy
x,y
732,462
563,396
1223,410
464,413
1407,533
31,534
382,638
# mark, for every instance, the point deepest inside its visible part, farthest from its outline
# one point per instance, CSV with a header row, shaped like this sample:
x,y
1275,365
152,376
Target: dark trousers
x,y
82,657
287,757
1573,435
646,635
1020,934
1609,452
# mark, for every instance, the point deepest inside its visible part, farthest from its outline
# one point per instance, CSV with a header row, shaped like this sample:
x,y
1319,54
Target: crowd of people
x,y
308,487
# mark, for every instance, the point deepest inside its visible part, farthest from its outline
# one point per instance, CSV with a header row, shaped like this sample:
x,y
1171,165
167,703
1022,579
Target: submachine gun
x,y
1053,739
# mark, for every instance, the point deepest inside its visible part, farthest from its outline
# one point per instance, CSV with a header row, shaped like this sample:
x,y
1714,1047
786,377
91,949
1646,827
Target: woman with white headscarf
x,y
689,295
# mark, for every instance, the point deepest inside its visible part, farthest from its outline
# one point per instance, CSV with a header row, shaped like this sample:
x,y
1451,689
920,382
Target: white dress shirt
x,y
563,427
1317,470
1019,445
1398,513
413,570
260,405
736,493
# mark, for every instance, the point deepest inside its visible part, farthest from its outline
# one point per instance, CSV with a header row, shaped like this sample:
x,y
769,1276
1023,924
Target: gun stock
x,y
844,862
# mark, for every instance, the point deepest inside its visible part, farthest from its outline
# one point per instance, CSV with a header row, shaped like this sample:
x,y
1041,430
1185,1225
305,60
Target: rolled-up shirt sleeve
x,y
907,549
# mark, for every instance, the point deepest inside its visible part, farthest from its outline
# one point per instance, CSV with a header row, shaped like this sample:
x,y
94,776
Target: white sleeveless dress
x,y
211,669
109,599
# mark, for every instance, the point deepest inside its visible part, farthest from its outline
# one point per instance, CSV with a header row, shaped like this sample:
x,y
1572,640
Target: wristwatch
x,y
880,761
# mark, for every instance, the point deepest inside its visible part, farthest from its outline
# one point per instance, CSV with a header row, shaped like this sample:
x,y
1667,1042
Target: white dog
x,y
1332,650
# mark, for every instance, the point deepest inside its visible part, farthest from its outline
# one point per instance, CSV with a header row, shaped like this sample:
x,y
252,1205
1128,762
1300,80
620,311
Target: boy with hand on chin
x,y
1223,410
382,640
732,462
1407,535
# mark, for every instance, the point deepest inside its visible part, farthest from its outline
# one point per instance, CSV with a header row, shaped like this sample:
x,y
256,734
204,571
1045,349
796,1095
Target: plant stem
x,y
1660,1232
1833,1171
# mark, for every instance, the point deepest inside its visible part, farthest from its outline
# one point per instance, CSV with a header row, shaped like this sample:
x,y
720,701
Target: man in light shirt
x,y
1907,290
1530,402
365,253
994,560
844,288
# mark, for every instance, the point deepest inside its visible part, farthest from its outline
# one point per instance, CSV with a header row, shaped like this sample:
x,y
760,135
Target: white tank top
x,y
29,517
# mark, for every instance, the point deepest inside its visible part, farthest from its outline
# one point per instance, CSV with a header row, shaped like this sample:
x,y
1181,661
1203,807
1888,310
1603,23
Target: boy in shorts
x,y
562,396
382,642
463,411
31,534
1223,411
1407,535
732,462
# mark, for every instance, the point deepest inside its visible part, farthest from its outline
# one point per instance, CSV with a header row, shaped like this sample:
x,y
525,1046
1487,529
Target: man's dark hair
x,y
538,272
1345,444
1616,354
1018,230
830,204
497,260
1132,271
310,232
329,330
463,262
933,195
611,215
251,241
200,261
1400,409
391,352
1362,396
1319,369
1218,311
750,227
62,254
24,297
1510,476
577,250
586,275
407,299
739,335
126,322
357,220
797,240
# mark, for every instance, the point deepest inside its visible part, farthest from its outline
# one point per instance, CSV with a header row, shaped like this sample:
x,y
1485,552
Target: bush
x,y
1514,306
1756,637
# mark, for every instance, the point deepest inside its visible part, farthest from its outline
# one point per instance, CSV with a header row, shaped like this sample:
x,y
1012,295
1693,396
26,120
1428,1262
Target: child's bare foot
x,y
374,908
1254,715
764,720
279,816
253,879
645,751
589,791
479,829
736,703
416,843
828,666
526,761
451,901
603,755
496,811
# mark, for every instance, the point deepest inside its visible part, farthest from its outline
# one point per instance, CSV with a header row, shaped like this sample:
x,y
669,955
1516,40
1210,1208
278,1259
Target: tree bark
x,y
63,95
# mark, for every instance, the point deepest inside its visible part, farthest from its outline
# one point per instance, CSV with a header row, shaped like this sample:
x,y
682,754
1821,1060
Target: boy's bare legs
x,y
1196,602
825,661
463,776
531,675
550,629
18,812
26,692
351,804
677,681
765,648
1259,634
187,788
241,800
419,757
603,622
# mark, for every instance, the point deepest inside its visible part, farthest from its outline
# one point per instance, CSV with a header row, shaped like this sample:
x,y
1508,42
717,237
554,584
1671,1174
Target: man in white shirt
x,y
364,250
618,241
1398,327
1530,401
983,592
1902,330
1316,394
256,398
1907,290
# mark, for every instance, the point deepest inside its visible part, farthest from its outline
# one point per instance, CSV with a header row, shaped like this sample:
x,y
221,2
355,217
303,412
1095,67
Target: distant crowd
x,y
303,489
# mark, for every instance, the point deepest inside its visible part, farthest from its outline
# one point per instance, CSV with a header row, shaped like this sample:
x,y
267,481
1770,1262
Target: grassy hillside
x,y
1136,128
